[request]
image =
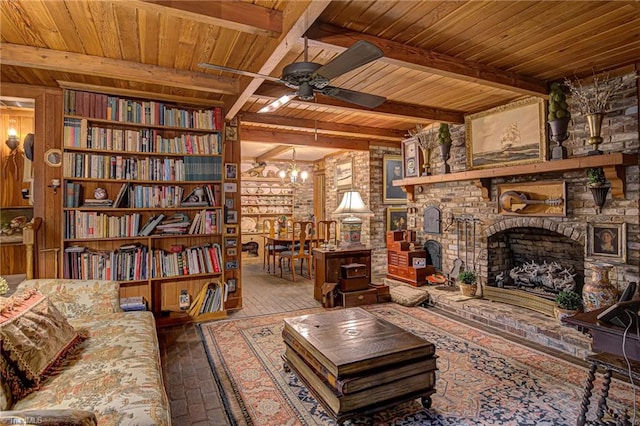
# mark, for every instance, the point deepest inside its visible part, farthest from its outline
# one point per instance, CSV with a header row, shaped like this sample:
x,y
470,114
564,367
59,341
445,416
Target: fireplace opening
x,y
536,261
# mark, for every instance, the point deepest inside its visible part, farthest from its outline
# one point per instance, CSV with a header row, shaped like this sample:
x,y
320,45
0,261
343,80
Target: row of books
x,y
128,263
77,133
98,166
136,262
210,298
116,108
201,259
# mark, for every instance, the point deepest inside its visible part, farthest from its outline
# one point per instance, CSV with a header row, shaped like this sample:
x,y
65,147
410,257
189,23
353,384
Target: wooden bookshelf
x,y
158,155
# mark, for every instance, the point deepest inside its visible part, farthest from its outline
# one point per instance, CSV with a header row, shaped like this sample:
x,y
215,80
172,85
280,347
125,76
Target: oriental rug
x,y
482,379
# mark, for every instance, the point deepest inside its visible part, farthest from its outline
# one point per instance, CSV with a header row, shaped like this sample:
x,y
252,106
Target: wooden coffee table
x,y
355,363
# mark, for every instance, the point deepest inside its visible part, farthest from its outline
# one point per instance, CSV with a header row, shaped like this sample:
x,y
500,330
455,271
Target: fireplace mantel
x,y
614,166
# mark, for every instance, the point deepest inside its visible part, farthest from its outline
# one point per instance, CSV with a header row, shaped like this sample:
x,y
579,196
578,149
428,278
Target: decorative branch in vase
x,y
426,141
592,101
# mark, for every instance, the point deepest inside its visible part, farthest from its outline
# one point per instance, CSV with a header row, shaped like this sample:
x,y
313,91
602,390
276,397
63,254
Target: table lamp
x,y
351,226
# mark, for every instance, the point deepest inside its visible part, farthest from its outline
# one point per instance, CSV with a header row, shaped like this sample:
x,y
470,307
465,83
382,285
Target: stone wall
x,y
463,198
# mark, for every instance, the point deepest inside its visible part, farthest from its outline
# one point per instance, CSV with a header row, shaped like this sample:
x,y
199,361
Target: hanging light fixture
x,y
13,140
293,174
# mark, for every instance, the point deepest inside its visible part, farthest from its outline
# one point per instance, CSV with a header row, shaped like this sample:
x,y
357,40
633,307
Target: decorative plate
x,y
248,224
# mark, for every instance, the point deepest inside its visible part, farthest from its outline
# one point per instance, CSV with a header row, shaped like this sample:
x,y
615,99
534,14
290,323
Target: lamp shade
x,y
352,204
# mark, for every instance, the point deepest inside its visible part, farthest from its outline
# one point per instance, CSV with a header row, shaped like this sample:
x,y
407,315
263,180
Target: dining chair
x,y
298,248
270,249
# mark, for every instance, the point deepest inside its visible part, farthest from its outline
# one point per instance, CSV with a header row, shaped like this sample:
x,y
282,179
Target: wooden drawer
x,y
393,236
420,274
392,269
354,284
392,258
398,245
405,258
357,298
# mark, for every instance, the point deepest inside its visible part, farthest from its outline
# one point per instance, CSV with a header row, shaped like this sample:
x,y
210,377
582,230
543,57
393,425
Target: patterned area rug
x,y
482,379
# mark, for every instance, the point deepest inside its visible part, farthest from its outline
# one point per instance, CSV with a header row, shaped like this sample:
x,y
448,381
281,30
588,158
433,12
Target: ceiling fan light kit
x,y
307,78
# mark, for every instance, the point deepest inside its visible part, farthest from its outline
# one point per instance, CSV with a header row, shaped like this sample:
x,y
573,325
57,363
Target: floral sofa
x,y
111,377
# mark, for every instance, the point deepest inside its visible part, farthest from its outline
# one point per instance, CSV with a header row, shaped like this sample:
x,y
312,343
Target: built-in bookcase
x,y
143,198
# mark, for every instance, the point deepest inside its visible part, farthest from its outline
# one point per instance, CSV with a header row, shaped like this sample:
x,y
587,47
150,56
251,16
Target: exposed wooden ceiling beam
x,y
298,16
430,61
247,118
232,14
252,134
273,152
413,113
56,60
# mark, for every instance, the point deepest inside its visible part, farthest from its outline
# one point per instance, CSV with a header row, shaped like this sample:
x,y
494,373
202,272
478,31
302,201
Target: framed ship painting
x,y
506,135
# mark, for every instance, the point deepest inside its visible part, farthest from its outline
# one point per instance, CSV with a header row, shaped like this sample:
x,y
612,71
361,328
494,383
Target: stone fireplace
x,y
527,241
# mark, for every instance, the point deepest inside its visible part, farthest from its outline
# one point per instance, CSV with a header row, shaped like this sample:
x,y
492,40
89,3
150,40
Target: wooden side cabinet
x,y
327,264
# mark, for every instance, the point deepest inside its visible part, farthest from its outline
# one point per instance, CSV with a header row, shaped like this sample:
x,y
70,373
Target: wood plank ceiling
x,y
442,59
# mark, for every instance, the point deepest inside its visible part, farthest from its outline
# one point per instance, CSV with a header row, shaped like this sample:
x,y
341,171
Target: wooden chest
x,y
393,236
351,299
354,284
410,275
353,270
383,292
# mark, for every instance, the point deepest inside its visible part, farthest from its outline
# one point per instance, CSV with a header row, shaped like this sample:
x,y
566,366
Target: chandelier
x,y
293,174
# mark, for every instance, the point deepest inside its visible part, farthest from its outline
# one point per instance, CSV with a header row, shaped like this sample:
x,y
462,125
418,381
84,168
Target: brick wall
x,y
463,198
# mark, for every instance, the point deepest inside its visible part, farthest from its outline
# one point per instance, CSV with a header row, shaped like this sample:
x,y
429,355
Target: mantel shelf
x,y
614,166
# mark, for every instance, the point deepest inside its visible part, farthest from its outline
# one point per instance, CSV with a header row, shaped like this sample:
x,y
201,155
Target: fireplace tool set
x,y
469,233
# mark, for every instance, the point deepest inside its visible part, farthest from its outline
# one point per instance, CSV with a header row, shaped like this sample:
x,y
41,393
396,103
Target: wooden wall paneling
x,y
10,184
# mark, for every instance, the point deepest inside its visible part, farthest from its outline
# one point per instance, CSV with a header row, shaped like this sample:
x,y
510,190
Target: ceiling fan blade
x,y
283,100
359,98
241,72
362,52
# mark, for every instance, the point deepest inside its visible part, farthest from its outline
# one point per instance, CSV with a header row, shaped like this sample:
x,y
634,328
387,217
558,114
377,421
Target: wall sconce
x,y
55,184
13,140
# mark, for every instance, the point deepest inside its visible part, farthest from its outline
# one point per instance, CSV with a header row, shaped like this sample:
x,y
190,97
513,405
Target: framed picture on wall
x,y
411,158
506,135
396,219
607,240
392,170
231,171
344,174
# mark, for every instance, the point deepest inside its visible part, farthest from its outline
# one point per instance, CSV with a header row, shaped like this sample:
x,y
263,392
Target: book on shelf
x,y
201,168
151,224
122,199
73,194
92,202
135,303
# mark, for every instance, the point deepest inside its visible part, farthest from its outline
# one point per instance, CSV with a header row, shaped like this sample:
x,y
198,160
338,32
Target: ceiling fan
x,y
307,78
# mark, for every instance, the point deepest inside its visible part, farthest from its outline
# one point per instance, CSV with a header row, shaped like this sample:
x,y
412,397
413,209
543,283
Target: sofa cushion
x,y
35,338
115,373
408,296
54,417
77,298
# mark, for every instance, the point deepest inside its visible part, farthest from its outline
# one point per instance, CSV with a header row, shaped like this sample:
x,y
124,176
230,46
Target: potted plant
x,y
444,144
468,282
599,190
568,303
558,119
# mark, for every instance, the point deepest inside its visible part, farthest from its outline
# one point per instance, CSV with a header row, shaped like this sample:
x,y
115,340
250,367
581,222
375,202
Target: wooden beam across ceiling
x,y
425,60
273,153
409,112
298,16
301,124
233,14
56,60
253,134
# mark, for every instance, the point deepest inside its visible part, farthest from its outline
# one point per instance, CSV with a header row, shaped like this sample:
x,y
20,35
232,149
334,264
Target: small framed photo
x,y
231,230
231,216
228,203
231,264
231,171
344,174
231,133
232,251
231,242
607,240
419,262
53,157
234,121
411,158
396,218
412,222
231,285
230,187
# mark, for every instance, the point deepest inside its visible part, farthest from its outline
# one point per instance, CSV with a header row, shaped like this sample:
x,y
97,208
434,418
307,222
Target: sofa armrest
x,y
78,298
49,417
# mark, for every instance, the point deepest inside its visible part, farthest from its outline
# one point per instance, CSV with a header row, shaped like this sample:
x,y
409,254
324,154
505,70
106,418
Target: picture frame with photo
x,y
232,251
231,133
231,285
231,171
411,158
392,170
344,174
396,219
231,264
231,242
231,216
230,187
231,230
228,203
607,240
